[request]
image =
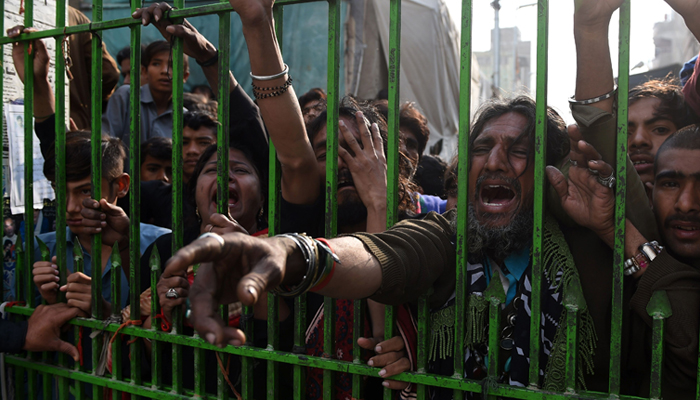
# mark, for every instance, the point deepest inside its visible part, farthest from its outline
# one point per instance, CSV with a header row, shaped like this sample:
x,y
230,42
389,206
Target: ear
x,y
123,182
144,74
185,76
649,188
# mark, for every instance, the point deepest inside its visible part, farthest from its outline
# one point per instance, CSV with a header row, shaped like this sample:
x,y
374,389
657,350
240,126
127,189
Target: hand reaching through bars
x,y
237,268
391,357
584,194
44,329
195,45
39,52
46,279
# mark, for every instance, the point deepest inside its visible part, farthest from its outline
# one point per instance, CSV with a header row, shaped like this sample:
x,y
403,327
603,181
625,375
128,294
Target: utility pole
x,y
496,48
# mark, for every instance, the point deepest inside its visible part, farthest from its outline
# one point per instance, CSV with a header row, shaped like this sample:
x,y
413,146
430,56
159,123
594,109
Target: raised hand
x,y
391,357
195,45
46,279
253,12
107,218
594,13
367,164
587,201
38,49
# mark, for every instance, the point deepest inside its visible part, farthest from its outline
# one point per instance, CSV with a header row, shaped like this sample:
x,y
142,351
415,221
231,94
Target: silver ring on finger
x,y
608,182
592,171
172,294
214,235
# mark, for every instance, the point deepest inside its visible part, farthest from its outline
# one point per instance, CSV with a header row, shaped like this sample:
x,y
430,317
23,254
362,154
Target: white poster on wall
x,y
14,115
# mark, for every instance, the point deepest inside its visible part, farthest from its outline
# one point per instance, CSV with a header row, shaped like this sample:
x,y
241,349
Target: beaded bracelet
x,y
273,91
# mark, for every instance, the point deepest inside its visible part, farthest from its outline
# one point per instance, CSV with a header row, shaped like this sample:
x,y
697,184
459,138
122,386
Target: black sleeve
x,y
12,336
46,133
247,128
308,218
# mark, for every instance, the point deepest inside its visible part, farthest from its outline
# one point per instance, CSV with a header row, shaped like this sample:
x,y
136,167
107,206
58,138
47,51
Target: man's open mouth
x,y
496,195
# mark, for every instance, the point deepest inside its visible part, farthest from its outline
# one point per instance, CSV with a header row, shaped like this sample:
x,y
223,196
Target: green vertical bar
x,y
358,329
177,223
60,129
28,158
136,347
573,302
538,207
620,194
334,32
659,308
28,182
96,70
392,195
495,295
156,359
79,388
46,379
222,147
2,119
462,186
60,176
422,344
298,378
274,184
116,309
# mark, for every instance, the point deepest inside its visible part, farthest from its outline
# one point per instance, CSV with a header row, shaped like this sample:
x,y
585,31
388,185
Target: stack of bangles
x,y
261,92
320,265
647,254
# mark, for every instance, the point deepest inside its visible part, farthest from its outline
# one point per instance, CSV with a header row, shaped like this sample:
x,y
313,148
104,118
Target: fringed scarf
x,y
559,276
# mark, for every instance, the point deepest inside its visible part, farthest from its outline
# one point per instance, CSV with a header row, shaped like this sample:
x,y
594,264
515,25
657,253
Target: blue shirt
x,y
149,233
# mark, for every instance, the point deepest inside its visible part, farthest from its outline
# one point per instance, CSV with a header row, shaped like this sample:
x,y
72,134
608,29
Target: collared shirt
x,y
116,120
149,233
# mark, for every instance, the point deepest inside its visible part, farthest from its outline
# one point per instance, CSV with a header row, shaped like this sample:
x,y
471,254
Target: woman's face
x,y
244,194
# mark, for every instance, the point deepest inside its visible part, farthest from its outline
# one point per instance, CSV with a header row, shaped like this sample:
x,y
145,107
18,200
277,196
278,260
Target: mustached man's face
x,y
676,201
501,180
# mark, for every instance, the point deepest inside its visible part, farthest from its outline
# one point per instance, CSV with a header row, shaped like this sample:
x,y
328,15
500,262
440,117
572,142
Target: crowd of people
x,y
238,263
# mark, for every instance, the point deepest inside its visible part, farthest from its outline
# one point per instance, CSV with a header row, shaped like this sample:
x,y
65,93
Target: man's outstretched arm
x,y
393,267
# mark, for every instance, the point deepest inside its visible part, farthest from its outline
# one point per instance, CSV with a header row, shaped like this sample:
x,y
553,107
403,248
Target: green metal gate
x,y
44,368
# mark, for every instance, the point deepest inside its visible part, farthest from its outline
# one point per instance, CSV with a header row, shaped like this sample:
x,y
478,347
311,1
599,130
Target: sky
x,y
562,54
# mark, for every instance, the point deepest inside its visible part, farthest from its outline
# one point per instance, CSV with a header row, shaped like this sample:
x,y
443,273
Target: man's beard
x,y
351,211
498,242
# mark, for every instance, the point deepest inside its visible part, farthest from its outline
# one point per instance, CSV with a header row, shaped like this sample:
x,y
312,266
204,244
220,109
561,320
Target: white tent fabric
x,y
429,61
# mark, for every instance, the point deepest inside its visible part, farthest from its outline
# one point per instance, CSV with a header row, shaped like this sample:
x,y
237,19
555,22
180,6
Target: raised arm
x,y
301,182
44,102
594,76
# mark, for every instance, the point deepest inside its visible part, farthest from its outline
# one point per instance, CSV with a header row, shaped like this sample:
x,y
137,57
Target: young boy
x,y
86,217
156,97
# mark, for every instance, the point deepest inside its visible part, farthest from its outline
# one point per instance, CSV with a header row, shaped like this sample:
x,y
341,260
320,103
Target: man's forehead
x,y
203,131
506,126
683,161
322,135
